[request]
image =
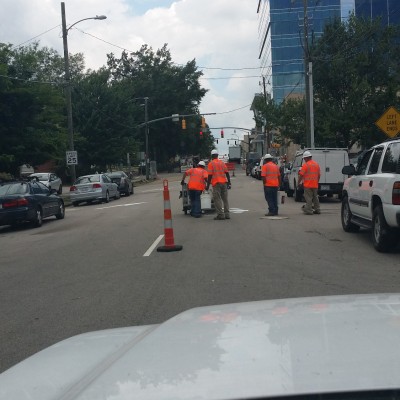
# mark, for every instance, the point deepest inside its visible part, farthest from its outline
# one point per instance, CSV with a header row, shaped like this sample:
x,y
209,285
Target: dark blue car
x,y
28,202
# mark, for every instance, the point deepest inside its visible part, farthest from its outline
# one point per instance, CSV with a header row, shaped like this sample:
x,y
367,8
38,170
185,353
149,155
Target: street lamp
x,y
68,80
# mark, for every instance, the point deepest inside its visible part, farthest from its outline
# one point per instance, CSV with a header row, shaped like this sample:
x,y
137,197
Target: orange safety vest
x,y
310,172
218,170
197,179
271,172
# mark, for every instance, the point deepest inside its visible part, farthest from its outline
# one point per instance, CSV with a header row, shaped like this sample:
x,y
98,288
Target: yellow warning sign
x,y
389,122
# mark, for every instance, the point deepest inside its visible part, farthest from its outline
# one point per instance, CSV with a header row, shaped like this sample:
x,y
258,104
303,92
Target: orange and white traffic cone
x,y
168,231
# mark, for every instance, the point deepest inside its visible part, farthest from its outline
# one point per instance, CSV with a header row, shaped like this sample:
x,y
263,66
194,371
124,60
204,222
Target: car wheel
x,y
75,203
61,211
107,199
383,238
289,192
59,191
38,221
345,216
127,192
132,189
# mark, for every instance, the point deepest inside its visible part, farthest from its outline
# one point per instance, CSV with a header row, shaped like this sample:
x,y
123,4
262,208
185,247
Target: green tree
x,y
31,108
171,89
356,77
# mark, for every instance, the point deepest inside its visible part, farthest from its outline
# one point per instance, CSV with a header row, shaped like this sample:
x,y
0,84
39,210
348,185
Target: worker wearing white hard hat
x,y
218,177
309,176
271,178
196,185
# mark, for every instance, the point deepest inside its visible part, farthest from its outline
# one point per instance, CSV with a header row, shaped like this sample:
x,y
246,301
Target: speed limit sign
x,y
72,158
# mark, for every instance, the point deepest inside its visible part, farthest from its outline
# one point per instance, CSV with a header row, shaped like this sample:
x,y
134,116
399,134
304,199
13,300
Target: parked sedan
x,y
125,185
50,179
28,202
97,187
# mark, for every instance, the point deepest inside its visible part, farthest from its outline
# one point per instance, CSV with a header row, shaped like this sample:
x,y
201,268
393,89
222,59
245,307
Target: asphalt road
x,y
95,269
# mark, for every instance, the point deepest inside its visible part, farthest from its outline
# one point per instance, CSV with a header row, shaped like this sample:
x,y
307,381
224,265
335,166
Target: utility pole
x,y
266,133
146,121
308,81
68,89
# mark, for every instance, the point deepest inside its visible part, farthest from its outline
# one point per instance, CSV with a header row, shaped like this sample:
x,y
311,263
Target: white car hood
x,y
245,350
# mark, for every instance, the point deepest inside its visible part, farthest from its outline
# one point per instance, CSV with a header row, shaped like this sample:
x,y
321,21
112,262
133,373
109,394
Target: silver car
x,y
339,347
49,179
97,187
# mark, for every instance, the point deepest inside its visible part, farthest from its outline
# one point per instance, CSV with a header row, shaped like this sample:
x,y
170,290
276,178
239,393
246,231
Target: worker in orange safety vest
x,y
271,177
196,185
218,177
309,176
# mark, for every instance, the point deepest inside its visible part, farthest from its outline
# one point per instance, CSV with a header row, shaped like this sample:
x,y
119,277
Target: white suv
x,y
371,195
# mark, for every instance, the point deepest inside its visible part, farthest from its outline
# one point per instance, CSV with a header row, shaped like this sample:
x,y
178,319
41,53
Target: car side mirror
x,y
348,170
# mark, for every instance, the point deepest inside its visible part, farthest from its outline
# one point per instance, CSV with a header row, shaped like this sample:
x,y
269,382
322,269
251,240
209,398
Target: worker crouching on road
x,y
309,176
220,180
196,185
271,177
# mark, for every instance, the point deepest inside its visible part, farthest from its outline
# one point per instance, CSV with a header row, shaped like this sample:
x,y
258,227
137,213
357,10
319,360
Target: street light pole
x,y
146,121
68,81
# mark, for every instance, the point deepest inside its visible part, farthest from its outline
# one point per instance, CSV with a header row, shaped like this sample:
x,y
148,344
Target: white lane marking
x,y
237,210
121,205
151,190
152,247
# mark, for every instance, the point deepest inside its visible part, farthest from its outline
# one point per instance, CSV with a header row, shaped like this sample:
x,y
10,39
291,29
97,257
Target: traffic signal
x,y
222,133
183,124
201,134
203,122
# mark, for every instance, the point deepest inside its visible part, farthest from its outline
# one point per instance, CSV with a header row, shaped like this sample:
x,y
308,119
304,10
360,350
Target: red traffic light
x,y
201,134
222,133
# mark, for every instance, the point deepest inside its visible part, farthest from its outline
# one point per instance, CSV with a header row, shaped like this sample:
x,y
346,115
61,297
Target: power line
x,y
41,34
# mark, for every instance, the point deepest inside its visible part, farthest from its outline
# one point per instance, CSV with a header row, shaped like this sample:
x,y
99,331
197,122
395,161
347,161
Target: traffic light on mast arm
x,y
201,134
183,123
222,133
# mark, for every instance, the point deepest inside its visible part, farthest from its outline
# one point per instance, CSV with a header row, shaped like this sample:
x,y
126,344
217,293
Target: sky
x,y
220,34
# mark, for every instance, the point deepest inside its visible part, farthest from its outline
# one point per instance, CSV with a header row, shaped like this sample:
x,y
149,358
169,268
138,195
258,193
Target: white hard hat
x,y
202,163
307,154
214,152
268,156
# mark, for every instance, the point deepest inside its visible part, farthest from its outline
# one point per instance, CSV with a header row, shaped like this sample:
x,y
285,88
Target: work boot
x,y
227,216
219,217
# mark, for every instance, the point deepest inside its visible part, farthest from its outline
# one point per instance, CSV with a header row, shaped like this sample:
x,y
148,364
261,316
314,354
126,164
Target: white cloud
x,y
220,33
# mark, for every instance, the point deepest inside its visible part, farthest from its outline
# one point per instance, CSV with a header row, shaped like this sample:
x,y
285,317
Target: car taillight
x,y
96,186
396,194
72,188
16,203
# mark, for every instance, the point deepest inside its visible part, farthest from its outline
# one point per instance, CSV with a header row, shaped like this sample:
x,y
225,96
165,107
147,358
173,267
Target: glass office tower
x,y
281,38
388,10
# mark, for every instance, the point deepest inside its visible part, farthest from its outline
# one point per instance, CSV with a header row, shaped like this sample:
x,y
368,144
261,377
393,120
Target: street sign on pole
x,y
72,157
389,122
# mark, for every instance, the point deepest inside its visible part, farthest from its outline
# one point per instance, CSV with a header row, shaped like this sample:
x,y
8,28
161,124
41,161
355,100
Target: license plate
x,y
325,187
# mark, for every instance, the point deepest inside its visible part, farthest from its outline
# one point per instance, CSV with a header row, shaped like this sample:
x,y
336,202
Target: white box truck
x,y
331,162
